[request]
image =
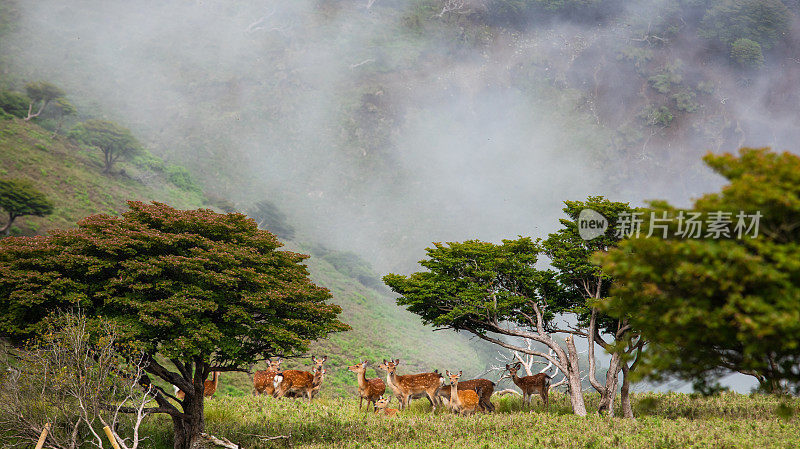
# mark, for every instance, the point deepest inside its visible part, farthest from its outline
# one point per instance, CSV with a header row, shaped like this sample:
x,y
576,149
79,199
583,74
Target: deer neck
x,y
516,379
454,393
362,379
391,378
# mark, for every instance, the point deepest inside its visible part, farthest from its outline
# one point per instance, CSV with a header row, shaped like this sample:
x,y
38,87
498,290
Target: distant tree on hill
x,y
41,94
205,291
19,197
113,140
747,53
269,217
63,109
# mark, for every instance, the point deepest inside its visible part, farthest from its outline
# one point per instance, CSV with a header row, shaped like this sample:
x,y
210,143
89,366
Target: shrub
x,y
181,177
747,53
14,103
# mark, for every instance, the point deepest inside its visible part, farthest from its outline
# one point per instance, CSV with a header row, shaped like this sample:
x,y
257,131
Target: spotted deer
x,y
485,386
369,389
209,387
530,385
412,386
300,383
263,380
382,407
463,402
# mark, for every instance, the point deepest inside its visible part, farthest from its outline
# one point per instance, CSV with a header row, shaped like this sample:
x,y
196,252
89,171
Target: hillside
x,y
71,177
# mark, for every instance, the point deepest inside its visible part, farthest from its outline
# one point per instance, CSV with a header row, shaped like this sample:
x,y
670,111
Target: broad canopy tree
x,y
208,291
496,293
113,140
19,197
41,94
586,284
713,306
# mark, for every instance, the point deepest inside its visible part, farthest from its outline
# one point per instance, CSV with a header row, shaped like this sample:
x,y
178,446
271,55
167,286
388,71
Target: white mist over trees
x,y
383,128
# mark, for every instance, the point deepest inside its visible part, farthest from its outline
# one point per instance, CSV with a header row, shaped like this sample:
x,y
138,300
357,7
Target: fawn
x,y
369,389
485,386
263,380
463,402
209,387
381,407
300,383
530,385
412,386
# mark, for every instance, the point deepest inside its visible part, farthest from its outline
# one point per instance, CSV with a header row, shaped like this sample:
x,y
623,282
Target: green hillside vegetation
x,y
665,421
71,177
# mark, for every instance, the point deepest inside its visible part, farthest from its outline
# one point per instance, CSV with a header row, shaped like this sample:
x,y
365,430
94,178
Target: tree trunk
x,y
624,394
6,230
191,424
610,388
574,379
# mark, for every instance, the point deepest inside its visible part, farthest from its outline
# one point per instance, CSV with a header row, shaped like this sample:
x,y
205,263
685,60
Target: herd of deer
x,y
462,397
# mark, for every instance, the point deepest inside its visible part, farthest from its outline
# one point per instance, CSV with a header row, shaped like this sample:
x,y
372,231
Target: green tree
x,y
208,291
268,216
717,305
113,140
14,103
19,197
41,94
63,109
747,53
762,21
496,293
586,284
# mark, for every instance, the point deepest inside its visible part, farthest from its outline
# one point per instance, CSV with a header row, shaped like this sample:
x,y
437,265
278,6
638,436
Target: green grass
x,y
664,420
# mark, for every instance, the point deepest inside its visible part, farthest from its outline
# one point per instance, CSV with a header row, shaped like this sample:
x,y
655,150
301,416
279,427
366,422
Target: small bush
x,y
685,101
181,177
747,53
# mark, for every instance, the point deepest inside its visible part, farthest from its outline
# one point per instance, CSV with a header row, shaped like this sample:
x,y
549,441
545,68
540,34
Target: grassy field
x,y
664,421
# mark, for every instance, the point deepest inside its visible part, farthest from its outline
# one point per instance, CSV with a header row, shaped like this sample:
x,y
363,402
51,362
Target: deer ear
x,y
324,358
384,361
365,363
507,366
397,361
447,371
459,373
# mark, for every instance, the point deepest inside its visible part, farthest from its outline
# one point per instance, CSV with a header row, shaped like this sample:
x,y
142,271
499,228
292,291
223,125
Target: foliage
x,y
747,53
181,177
354,266
14,103
41,91
722,305
269,217
661,116
113,140
762,21
466,283
209,291
19,197
570,255
685,100
76,382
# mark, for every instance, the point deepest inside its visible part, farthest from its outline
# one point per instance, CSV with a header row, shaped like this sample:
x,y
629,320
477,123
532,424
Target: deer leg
x,y
360,401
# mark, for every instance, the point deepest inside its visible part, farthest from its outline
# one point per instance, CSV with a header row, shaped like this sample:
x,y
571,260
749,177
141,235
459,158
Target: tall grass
x,y
664,421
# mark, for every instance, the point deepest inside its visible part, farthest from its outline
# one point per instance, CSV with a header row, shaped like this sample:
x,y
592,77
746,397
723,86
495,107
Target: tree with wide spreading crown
x,y
206,291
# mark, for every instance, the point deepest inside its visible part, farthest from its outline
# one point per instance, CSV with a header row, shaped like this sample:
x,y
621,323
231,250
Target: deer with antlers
x,y
370,389
209,387
484,386
263,380
382,407
300,383
463,402
530,385
412,386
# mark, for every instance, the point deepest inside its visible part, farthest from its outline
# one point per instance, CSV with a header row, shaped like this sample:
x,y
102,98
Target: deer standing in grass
x,y
463,402
301,383
485,386
369,389
382,407
263,380
209,387
530,385
412,386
